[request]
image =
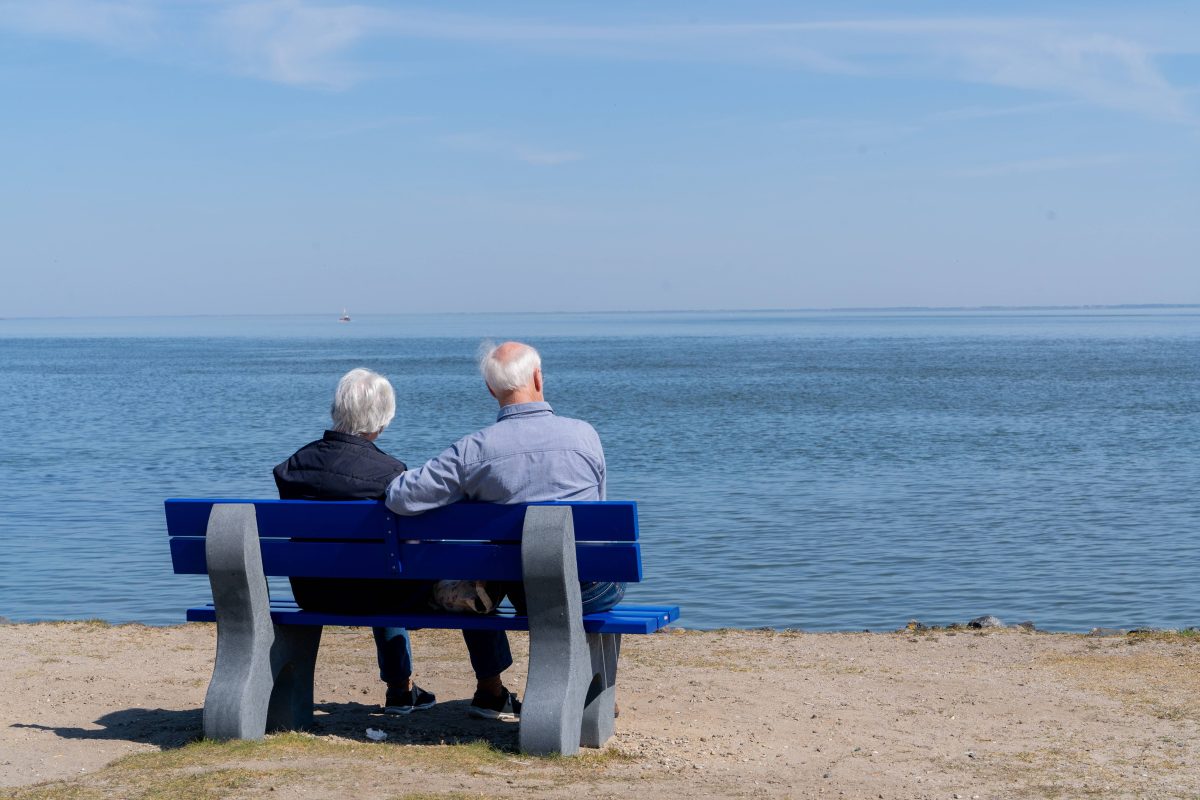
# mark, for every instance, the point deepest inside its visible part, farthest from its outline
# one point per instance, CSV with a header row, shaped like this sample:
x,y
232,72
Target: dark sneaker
x,y
506,707
405,701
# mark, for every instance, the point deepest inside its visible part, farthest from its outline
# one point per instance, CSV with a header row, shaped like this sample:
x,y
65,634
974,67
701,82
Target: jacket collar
x,y
524,410
348,438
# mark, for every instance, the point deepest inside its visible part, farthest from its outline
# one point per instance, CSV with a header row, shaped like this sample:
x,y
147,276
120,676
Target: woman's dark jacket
x,y
338,466
341,466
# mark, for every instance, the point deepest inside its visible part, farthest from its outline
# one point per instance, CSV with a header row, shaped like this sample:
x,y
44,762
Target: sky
x,y
288,156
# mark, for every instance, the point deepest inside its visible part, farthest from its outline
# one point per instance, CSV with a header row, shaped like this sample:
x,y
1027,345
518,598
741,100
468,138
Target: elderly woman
x,y
345,464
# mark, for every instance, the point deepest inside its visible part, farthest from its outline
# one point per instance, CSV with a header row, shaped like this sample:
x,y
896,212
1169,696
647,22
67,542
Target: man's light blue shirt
x,y
529,455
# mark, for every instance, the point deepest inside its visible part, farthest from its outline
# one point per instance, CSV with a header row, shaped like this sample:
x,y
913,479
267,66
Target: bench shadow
x,y
445,723
160,727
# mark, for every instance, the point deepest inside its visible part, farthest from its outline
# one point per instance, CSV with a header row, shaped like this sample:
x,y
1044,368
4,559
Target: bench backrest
x,y
362,539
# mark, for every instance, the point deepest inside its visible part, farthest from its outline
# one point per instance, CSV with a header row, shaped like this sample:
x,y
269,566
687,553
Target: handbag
x,y
462,596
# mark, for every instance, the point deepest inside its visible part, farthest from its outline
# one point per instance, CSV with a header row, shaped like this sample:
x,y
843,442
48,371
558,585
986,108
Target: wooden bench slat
x,y
302,559
624,619
426,561
333,519
502,562
611,521
607,521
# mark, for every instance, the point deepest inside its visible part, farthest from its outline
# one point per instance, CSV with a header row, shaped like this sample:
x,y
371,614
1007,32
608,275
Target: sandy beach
x,y
97,711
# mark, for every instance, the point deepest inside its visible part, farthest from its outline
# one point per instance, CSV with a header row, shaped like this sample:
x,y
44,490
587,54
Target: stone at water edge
x,y
986,621
1103,632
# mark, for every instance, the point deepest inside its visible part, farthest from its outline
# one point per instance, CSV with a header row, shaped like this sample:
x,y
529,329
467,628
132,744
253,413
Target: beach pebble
x,y
986,621
1107,632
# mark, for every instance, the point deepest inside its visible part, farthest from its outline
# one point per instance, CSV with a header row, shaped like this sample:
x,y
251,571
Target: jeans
x,y
488,651
596,596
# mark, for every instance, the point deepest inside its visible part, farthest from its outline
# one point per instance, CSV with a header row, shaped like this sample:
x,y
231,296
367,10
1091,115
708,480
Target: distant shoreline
x,y
598,312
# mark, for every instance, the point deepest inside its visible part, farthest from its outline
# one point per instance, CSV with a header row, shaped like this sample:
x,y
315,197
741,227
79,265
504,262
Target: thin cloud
x,y
993,112
1102,61
325,130
109,24
293,42
494,145
1037,165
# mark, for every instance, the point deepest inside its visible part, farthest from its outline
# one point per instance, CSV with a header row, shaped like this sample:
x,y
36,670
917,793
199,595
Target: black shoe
x,y
506,707
405,701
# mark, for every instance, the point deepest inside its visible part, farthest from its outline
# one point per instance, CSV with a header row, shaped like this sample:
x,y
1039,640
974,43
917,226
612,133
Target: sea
x,y
814,470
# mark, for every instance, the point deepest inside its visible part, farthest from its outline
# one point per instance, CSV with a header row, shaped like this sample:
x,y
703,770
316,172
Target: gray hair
x,y
363,403
513,372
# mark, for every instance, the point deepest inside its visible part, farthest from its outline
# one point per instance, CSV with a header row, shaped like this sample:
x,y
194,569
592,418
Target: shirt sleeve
x,y
603,488
435,484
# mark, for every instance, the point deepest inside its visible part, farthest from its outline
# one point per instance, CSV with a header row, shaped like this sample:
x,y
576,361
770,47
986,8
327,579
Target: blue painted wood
x,y
594,521
301,519
623,619
502,562
424,561
299,559
610,521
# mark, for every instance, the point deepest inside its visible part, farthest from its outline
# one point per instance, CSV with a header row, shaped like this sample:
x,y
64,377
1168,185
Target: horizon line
x,y
769,310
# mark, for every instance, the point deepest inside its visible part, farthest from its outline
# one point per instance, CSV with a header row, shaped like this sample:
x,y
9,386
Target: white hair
x,y
363,403
512,373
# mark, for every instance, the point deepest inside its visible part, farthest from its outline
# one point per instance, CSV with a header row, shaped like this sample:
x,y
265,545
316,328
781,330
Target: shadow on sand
x,y
445,723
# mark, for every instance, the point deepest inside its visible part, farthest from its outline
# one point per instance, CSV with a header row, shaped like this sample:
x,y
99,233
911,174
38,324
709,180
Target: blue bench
x,y
267,648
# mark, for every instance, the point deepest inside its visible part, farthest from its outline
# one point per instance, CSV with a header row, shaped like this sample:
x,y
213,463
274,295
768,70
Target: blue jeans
x,y
488,651
600,596
595,596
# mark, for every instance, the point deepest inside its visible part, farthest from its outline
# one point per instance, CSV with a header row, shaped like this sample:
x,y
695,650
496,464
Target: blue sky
x,y
293,157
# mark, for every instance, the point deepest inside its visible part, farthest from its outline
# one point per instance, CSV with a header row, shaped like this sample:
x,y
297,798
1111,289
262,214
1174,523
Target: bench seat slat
x,y
333,519
426,561
301,559
628,619
502,562
612,521
594,521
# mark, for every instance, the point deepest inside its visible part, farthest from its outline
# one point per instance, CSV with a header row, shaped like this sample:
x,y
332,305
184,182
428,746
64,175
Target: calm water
x,y
811,470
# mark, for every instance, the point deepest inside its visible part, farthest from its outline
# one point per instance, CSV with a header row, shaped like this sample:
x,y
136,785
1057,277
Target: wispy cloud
x,y
295,42
110,24
1087,57
328,130
1030,166
993,112
503,147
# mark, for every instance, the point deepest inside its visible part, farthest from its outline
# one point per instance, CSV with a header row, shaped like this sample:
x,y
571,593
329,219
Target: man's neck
x,y
520,396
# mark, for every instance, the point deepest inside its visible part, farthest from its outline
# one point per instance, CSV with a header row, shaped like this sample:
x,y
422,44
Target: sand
x,y
90,710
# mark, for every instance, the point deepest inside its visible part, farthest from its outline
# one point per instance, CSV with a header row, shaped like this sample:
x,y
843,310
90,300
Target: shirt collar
x,y
524,410
348,438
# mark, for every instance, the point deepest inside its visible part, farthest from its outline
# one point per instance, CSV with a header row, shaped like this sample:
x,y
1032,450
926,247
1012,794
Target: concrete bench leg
x,y
293,660
598,720
263,672
560,665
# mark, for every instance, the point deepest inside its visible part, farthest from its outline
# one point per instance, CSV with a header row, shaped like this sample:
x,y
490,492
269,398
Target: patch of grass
x,y
211,785
208,770
1185,636
58,790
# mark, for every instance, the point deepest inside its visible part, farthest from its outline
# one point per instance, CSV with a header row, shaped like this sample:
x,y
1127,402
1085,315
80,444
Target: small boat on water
x,y
344,317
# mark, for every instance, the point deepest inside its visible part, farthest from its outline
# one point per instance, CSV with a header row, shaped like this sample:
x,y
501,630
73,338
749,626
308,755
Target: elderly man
x,y
345,464
529,455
